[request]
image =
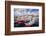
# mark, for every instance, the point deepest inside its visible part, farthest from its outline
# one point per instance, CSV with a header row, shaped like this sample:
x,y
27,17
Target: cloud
x,y
24,11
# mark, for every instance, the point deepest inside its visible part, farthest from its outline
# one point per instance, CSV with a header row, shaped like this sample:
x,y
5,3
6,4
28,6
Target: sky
x,y
25,11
